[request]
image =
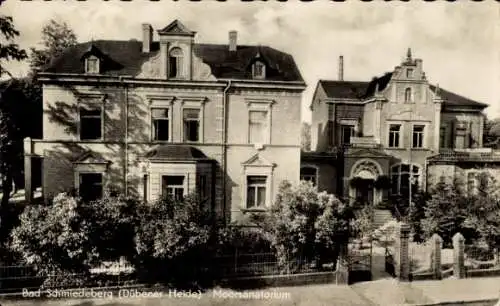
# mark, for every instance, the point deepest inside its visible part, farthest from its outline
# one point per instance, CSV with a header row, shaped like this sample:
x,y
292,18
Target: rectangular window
x,y
173,186
256,191
409,73
347,133
92,65
308,174
91,186
418,136
175,67
90,123
394,131
161,124
202,187
329,133
442,137
330,112
191,119
257,127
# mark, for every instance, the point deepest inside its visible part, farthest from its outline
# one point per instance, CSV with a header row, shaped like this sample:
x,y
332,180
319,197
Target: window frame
x,y
409,73
154,130
256,187
162,102
175,187
408,95
399,133
97,65
262,66
315,176
415,176
91,106
352,134
79,182
179,63
194,103
263,105
257,166
420,136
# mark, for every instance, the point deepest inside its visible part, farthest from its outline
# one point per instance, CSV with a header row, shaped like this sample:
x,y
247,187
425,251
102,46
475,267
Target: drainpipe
x,y
224,146
125,163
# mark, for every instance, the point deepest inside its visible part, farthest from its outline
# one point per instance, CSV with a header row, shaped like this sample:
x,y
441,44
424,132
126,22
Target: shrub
x,y
70,236
170,237
305,223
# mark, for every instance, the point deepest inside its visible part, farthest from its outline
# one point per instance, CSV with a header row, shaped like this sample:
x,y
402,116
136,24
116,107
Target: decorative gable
x,y
90,157
176,28
258,161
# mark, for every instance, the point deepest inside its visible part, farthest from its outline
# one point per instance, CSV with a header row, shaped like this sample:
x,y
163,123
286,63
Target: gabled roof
x,y
344,89
176,28
453,99
127,58
357,90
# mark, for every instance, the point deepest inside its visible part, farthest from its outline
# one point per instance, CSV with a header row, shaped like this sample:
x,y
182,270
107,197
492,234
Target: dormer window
x,y
175,63
92,65
259,70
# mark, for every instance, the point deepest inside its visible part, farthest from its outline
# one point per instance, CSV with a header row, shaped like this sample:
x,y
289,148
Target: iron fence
x,y
266,264
481,257
16,278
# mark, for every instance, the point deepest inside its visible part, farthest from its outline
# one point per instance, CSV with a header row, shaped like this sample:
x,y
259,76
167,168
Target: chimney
x,y
233,36
147,37
341,68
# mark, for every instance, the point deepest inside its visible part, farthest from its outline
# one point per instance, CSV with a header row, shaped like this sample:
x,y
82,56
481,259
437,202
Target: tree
x,y
57,36
306,136
8,127
491,133
306,224
9,51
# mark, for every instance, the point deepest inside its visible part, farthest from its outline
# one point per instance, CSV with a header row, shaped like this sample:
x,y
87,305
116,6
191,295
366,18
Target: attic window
x,y
409,73
259,70
92,65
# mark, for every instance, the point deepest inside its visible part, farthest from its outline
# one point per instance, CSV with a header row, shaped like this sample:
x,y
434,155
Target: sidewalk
x,y
449,291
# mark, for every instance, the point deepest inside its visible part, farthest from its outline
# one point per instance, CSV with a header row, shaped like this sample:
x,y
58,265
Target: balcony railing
x,y
476,154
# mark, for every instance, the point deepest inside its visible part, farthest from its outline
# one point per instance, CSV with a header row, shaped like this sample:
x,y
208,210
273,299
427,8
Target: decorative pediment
x,y
176,28
90,157
366,169
90,97
258,161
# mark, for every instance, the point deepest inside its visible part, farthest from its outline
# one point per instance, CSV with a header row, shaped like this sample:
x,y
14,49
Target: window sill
x,y
420,149
161,141
254,210
91,140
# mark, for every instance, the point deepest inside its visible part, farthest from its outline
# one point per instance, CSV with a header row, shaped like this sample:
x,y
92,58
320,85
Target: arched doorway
x,y
364,173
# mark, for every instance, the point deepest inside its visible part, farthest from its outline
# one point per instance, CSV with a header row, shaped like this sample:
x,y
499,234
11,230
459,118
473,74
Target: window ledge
x,y
256,210
92,140
420,149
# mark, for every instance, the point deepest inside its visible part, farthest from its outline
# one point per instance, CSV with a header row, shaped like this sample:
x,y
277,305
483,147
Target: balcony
x,y
467,155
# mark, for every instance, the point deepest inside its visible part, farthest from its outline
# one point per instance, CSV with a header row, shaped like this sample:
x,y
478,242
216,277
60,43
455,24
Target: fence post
x,y
436,245
342,268
403,260
458,256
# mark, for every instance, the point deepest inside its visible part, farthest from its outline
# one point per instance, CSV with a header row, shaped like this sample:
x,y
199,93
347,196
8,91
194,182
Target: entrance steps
x,y
381,217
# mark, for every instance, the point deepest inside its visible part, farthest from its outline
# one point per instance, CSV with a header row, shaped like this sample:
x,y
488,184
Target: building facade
x,y
170,116
391,134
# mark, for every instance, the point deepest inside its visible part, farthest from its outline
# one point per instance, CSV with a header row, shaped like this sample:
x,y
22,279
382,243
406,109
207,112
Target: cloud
x,y
457,42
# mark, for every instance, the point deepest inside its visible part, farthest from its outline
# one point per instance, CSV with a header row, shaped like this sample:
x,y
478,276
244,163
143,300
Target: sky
x,y
459,43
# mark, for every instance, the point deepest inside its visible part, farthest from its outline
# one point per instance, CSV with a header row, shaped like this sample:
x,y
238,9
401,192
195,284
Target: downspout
x,y
224,147
125,162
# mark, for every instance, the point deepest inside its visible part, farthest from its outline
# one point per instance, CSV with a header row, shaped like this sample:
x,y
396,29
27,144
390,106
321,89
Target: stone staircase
x,y
381,217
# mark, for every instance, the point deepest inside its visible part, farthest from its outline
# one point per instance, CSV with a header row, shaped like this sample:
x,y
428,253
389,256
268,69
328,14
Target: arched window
x,y
175,63
400,178
309,174
408,98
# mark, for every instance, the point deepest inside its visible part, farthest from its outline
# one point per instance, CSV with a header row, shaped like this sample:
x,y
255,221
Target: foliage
x,y
8,129
361,224
57,36
8,49
55,236
72,236
305,135
170,237
305,223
